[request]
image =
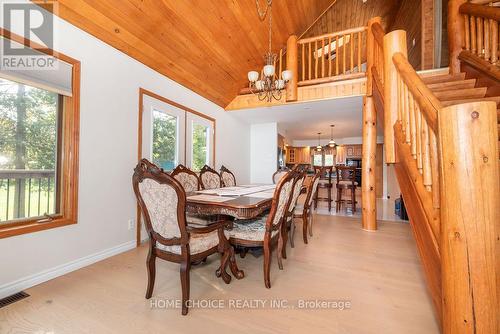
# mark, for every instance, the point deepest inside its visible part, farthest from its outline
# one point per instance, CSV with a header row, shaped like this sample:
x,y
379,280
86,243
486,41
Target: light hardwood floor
x,y
378,272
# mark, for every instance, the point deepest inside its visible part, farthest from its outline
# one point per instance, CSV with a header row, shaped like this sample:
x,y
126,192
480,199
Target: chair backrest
x,y
281,201
279,174
163,204
346,173
210,179
228,178
325,173
187,178
297,188
311,190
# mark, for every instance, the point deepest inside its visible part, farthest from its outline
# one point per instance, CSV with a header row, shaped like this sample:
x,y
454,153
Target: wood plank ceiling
x,y
207,46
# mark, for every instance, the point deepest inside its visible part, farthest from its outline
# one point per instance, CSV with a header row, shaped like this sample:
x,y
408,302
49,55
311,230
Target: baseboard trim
x,y
46,275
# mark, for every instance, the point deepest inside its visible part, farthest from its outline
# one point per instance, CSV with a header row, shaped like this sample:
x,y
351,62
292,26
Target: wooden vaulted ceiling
x,y
206,45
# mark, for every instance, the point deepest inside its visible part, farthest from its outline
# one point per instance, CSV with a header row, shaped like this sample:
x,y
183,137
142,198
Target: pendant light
x,y
332,142
319,148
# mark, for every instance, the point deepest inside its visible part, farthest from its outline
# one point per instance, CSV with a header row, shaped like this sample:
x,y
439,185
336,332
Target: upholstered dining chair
x,y
228,178
209,178
162,200
266,231
279,174
297,189
346,179
187,178
304,211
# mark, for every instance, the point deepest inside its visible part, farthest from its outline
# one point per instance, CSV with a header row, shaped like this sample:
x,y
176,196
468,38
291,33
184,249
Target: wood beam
x,y
368,187
292,65
455,33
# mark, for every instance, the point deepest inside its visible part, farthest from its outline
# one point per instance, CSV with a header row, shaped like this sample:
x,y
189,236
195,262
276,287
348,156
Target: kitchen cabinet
x,y
298,155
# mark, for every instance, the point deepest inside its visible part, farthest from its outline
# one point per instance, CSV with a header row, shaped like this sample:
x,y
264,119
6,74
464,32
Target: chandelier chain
x,y
262,14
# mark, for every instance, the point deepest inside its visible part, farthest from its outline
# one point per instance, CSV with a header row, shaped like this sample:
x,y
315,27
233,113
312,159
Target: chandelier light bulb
x,y
259,84
269,70
253,76
287,75
280,84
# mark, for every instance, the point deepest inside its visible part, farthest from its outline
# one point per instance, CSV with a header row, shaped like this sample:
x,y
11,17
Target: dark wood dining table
x,y
247,206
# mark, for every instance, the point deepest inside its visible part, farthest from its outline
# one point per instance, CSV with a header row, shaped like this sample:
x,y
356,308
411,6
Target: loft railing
x,y
321,59
26,193
332,57
447,167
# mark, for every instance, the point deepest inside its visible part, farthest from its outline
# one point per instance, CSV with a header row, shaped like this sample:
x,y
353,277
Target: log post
x,y
292,65
470,211
368,190
455,33
394,42
370,54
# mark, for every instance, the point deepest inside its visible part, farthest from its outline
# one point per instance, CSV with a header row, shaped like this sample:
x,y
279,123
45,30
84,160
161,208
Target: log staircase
x,y
441,132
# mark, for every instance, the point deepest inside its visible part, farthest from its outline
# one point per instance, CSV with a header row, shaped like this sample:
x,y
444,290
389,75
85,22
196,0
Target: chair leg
x,y
279,253
243,252
316,198
304,227
185,268
151,266
353,200
284,230
329,199
292,234
267,265
311,224
339,199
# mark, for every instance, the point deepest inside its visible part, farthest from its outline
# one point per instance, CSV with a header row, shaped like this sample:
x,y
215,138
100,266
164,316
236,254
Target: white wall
x,y
263,152
339,141
110,82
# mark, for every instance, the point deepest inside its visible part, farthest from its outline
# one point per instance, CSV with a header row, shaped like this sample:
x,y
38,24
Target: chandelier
x,y
268,86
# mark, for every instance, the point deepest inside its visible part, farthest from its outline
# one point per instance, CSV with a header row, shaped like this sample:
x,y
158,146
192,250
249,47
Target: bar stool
x,y
346,179
325,182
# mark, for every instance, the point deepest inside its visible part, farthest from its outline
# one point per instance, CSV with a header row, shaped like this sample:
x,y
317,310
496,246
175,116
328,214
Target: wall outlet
x,y
131,224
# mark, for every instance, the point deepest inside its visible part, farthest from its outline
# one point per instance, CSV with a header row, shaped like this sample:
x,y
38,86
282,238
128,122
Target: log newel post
x,y
368,189
394,42
470,217
370,56
455,34
292,65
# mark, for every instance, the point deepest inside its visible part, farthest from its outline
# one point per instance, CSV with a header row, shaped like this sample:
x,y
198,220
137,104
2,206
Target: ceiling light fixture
x,y
332,142
268,86
319,148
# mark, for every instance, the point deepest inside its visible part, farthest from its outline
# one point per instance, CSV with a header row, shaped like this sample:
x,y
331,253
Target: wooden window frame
x,y
69,156
143,92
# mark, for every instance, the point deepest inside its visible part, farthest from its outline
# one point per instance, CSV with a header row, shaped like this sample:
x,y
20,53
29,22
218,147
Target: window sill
x,y
33,226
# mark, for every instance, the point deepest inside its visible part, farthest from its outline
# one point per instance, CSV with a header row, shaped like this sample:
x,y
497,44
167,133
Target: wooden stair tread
x,y
461,94
484,99
443,78
450,85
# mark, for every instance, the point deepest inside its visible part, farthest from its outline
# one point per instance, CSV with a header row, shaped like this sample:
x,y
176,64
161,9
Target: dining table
x,y
238,202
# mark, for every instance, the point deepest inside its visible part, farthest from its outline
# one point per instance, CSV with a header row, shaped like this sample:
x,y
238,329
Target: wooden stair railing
x,y
447,167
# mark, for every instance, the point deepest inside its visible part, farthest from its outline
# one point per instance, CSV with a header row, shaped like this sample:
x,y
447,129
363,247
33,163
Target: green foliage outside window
x,y
200,146
164,140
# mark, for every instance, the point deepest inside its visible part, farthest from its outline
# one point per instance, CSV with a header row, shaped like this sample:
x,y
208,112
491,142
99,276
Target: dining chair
x,y
228,178
265,230
297,189
190,181
187,178
325,182
304,211
279,174
210,179
162,201
346,179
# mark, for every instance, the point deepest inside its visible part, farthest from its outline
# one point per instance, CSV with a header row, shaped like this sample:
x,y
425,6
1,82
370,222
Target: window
x,y
199,142
29,154
329,160
165,153
39,114
318,159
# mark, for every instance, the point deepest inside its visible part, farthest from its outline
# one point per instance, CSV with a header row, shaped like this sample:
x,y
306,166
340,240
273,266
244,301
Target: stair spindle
x,y
494,41
316,60
426,157
467,32
337,54
413,128
479,23
418,115
359,51
303,62
351,41
473,35
330,56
